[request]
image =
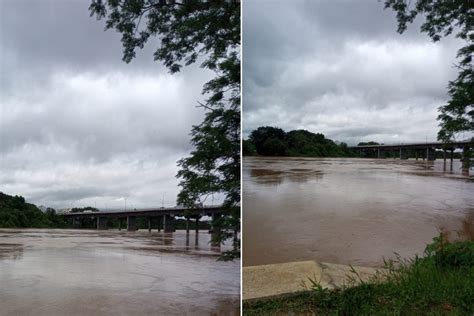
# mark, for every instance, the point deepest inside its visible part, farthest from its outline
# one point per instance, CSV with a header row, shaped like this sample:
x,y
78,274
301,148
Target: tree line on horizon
x,y
15,212
274,141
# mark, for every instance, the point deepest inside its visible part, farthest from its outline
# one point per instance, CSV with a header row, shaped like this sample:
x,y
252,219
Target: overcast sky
x,y
80,127
341,69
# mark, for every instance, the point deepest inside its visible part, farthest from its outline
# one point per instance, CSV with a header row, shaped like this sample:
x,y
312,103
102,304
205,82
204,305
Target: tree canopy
x,y
190,31
442,18
16,212
273,141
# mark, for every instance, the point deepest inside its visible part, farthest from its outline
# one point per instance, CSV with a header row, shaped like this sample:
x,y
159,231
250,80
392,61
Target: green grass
x,y
439,283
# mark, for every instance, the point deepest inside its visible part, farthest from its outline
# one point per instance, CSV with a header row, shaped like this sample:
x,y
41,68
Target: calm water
x,y
86,272
351,211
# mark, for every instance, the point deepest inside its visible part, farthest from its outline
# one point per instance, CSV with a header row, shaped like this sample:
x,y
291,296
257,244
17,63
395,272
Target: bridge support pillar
x,y
197,224
403,154
159,224
416,154
76,222
452,159
131,223
444,160
380,154
149,224
216,229
187,225
168,224
466,160
101,222
120,223
430,154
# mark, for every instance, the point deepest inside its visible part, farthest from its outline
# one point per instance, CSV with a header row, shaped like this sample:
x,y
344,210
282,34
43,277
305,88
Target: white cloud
x,y
310,65
77,125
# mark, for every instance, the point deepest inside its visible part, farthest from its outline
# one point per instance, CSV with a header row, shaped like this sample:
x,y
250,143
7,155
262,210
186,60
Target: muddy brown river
x,y
88,272
350,211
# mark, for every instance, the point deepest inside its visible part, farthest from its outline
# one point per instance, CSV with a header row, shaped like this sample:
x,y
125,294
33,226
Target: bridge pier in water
x,y
168,223
76,222
216,229
466,160
102,222
380,154
131,223
430,154
187,224
445,158
404,154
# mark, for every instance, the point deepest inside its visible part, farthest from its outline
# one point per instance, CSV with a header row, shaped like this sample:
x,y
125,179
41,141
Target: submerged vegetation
x,y
439,283
273,141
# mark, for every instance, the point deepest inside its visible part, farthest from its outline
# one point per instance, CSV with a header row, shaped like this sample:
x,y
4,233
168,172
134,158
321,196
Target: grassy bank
x,y
439,283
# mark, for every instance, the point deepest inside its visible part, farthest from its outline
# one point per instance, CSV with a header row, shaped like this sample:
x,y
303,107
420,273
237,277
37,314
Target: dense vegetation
x,y
273,141
440,283
15,212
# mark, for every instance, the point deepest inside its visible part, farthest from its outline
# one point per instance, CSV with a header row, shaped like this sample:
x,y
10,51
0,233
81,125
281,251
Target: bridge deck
x,y
439,145
176,211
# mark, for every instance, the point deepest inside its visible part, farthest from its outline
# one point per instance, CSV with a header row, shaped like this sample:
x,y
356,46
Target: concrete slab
x,y
341,275
286,279
273,280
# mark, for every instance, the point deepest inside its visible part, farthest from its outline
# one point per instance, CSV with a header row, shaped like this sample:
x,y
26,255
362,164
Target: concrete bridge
x,y
423,151
165,217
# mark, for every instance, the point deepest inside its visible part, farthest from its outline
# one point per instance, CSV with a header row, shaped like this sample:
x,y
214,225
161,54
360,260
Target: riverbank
x,y
288,279
441,282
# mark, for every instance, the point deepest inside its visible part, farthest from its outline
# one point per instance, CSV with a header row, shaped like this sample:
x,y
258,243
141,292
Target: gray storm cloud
x,y
77,125
340,68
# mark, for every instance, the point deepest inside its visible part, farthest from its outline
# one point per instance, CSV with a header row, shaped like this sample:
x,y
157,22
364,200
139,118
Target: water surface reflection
x,y
87,272
353,211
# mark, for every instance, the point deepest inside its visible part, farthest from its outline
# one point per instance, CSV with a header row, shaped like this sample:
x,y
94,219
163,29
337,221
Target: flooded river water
x,y
350,211
88,272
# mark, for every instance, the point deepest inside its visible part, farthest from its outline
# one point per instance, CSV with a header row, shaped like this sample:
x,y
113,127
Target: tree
x,y
248,148
189,31
273,141
16,212
442,18
262,135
